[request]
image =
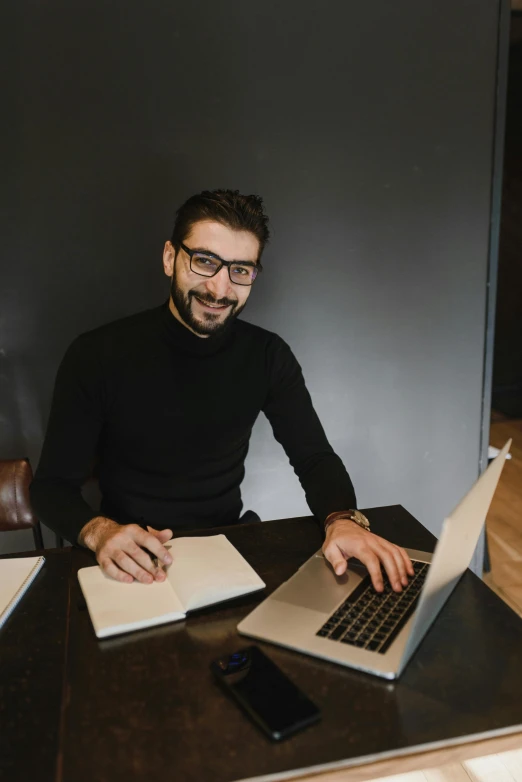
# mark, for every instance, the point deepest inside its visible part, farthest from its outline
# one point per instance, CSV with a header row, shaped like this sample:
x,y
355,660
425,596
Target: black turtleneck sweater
x,y
167,417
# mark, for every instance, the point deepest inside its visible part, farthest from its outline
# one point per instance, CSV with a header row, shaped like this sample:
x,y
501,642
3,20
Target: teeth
x,y
214,306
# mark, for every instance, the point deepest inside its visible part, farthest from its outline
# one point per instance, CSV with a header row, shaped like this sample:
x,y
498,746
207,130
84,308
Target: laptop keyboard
x,y
371,620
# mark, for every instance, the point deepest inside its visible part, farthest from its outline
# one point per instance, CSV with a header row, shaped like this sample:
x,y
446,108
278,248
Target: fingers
x,y
373,551
403,561
407,561
390,561
373,565
402,567
336,558
129,565
108,567
142,558
162,534
122,556
150,542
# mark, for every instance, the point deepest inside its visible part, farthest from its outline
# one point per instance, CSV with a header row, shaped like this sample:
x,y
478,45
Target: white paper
x,y
16,575
115,607
208,570
204,570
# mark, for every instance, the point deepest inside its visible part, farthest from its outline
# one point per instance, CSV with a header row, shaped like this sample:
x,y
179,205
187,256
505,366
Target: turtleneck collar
x,y
181,337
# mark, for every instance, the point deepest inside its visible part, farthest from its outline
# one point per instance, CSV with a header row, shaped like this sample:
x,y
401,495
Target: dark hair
x,y
228,207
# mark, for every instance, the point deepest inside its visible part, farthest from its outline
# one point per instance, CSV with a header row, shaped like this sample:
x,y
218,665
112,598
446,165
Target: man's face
x,y
207,304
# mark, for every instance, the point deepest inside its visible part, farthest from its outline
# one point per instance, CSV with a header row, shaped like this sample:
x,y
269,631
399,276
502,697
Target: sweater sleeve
x,y
73,430
296,426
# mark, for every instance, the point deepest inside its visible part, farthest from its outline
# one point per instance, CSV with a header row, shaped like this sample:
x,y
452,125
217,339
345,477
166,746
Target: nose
x,y
219,285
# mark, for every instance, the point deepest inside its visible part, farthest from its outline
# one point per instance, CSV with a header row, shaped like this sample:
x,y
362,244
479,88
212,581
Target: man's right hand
x,y
119,549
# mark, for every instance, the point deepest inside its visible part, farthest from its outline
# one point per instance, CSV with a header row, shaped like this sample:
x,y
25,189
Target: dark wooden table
x,y
145,706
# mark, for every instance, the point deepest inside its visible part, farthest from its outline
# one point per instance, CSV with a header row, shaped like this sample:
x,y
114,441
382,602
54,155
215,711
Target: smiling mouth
x,y
215,307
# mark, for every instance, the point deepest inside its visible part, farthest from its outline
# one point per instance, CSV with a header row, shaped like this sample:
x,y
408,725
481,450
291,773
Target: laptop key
x,y
398,627
371,620
336,634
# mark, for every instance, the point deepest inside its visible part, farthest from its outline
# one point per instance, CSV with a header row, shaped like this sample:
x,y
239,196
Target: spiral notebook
x,y
16,576
204,571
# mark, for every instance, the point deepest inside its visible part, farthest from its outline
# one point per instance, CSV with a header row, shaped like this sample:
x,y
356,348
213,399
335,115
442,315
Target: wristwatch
x,y
354,515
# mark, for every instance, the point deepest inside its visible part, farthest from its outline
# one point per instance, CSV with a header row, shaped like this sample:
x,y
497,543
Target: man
x,y
165,402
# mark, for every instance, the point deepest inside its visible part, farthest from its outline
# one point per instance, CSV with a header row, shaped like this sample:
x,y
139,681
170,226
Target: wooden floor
x,y
504,531
506,767
504,522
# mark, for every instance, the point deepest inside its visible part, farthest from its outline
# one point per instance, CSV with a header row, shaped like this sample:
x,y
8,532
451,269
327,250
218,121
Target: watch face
x,y
361,519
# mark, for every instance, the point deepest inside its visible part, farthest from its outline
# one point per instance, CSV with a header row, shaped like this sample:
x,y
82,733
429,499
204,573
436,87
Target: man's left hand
x,y
345,539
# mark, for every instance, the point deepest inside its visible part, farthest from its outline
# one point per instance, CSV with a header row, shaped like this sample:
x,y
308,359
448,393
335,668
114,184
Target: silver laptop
x,y
343,619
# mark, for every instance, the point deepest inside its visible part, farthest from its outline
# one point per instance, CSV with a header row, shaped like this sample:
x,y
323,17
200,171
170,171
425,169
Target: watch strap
x,y
352,514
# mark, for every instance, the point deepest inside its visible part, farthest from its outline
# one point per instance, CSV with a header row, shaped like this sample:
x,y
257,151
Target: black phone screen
x,y
265,692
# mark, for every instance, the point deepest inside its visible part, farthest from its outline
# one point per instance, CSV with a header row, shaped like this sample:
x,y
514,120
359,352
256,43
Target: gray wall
x,y
368,129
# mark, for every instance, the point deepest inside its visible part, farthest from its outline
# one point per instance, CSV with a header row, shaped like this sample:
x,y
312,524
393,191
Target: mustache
x,y
207,299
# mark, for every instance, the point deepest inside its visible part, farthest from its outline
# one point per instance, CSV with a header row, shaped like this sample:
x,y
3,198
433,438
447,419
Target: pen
x,y
152,556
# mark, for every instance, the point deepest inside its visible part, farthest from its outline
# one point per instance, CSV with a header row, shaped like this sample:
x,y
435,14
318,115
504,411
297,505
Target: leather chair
x,y
15,507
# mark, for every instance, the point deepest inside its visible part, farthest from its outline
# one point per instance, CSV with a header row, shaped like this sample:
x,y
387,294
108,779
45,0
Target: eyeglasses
x,y
208,265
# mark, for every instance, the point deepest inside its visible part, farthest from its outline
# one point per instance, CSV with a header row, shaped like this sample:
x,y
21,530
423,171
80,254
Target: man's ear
x,y
169,256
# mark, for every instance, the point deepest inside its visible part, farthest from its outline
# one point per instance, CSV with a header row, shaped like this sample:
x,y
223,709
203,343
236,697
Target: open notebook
x,y
204,571
16,576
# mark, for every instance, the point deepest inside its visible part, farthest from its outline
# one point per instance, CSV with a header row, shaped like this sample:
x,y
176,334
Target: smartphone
x,y
265,693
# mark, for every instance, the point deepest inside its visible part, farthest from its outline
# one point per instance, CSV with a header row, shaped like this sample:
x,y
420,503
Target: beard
x,y
210,325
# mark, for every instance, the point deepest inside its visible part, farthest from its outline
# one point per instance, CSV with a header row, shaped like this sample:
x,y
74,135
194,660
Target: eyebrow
x,y
204,251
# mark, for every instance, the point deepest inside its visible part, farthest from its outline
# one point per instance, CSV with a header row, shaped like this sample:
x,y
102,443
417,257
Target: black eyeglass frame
x,y
257,266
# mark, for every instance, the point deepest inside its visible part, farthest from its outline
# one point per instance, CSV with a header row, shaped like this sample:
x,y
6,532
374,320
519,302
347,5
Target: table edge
x,y
423,756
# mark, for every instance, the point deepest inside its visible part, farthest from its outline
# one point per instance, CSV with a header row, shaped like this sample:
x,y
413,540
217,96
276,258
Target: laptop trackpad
x,y
316,586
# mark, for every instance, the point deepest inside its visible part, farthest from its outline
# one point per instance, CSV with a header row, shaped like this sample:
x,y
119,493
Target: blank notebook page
x,y
208,570
118,607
